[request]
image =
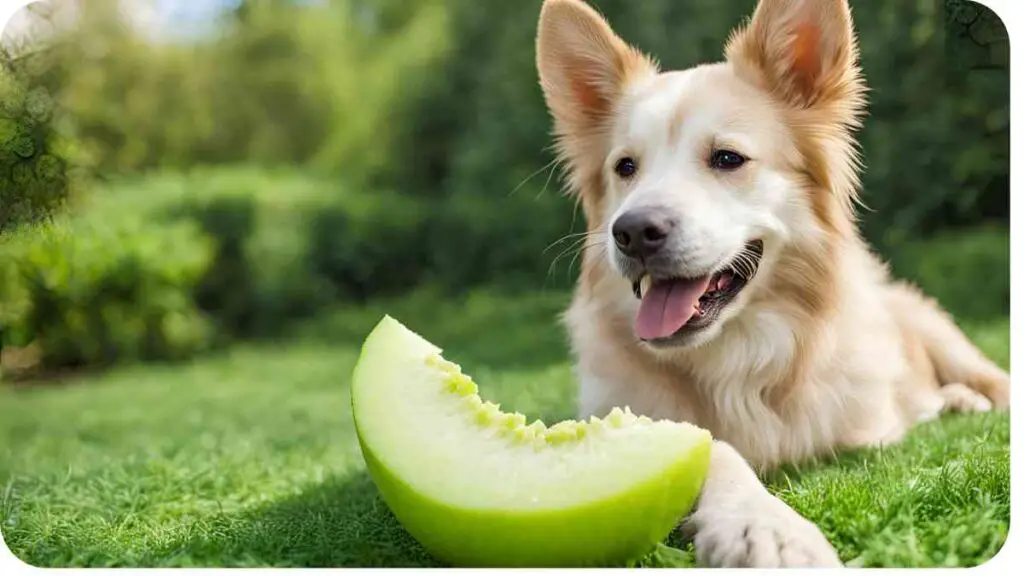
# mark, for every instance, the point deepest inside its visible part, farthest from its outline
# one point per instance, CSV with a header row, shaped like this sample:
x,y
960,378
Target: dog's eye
x,y
626,168
727,160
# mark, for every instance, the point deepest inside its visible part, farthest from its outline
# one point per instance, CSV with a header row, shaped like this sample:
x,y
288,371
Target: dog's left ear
x,y
803,51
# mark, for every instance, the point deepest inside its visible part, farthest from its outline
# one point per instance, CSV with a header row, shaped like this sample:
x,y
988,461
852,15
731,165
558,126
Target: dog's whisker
x,y
578,247
526,180
554,168
579,243
576,241
602,245
566,238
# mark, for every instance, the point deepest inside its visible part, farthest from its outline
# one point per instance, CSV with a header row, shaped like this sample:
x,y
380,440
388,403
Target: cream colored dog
x,y
726,283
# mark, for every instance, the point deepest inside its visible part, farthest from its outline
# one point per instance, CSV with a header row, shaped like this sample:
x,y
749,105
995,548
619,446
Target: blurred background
x,y
179,177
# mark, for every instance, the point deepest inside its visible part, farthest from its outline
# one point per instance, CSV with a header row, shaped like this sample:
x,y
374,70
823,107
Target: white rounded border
x,y
8,9
1010,13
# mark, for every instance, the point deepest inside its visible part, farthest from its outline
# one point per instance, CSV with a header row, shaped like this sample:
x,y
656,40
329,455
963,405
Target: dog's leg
x,y
955,360
739,524
963,399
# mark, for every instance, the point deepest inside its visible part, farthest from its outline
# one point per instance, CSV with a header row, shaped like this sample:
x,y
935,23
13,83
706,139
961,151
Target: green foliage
x,y
246,251
14,298
280,84
967,271
287,243
33,158
936,144
262,275
95,291
258,226
371,244
487,327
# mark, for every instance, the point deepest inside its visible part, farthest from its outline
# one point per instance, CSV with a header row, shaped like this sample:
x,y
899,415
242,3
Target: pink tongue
x,y
667,307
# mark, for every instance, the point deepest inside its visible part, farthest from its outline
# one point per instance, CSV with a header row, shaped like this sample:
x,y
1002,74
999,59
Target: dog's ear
x,y
804,51
584,67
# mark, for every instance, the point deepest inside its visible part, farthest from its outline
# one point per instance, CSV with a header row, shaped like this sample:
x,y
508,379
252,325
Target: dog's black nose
x,y
640,233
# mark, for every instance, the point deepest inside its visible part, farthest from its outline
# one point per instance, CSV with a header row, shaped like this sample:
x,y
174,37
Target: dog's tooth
x,y
645,284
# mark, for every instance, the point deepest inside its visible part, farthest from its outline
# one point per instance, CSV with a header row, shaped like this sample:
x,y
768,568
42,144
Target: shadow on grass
x,y
342,523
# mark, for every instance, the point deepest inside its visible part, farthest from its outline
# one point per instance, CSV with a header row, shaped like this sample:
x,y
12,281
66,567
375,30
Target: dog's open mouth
x,y
672,307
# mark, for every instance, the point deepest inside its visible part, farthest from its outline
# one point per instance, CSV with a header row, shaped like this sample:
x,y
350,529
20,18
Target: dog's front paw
x,y
759,532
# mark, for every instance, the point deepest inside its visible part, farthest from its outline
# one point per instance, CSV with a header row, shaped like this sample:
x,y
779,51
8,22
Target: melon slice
x,y
478,487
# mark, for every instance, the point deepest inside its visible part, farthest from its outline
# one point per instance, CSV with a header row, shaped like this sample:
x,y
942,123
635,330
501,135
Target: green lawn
x,y
250,459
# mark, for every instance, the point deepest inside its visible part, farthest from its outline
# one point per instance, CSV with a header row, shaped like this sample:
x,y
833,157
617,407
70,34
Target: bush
x,y
161,267
284,244
508,240
95,291
14,297
372,244
259,224
34,178
968,271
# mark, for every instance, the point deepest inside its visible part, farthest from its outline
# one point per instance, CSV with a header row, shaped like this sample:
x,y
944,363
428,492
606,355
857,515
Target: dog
x,y
725,282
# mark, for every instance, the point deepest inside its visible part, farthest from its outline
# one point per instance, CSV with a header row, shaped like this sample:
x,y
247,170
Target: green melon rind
x,y
608,532
604,534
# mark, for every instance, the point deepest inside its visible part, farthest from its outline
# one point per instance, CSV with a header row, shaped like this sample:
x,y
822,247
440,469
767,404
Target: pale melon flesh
x,y
479,487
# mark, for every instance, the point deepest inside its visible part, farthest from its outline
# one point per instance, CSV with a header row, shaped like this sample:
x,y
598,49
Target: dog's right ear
x,y
584,68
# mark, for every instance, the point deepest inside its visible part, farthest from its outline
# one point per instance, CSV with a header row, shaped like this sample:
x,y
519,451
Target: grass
x,y
250,459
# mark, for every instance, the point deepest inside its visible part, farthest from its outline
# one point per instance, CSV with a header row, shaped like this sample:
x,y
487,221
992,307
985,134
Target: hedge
x,y
163,267
95,292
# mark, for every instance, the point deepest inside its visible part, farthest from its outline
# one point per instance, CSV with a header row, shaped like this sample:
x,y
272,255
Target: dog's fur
x,y
822,350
